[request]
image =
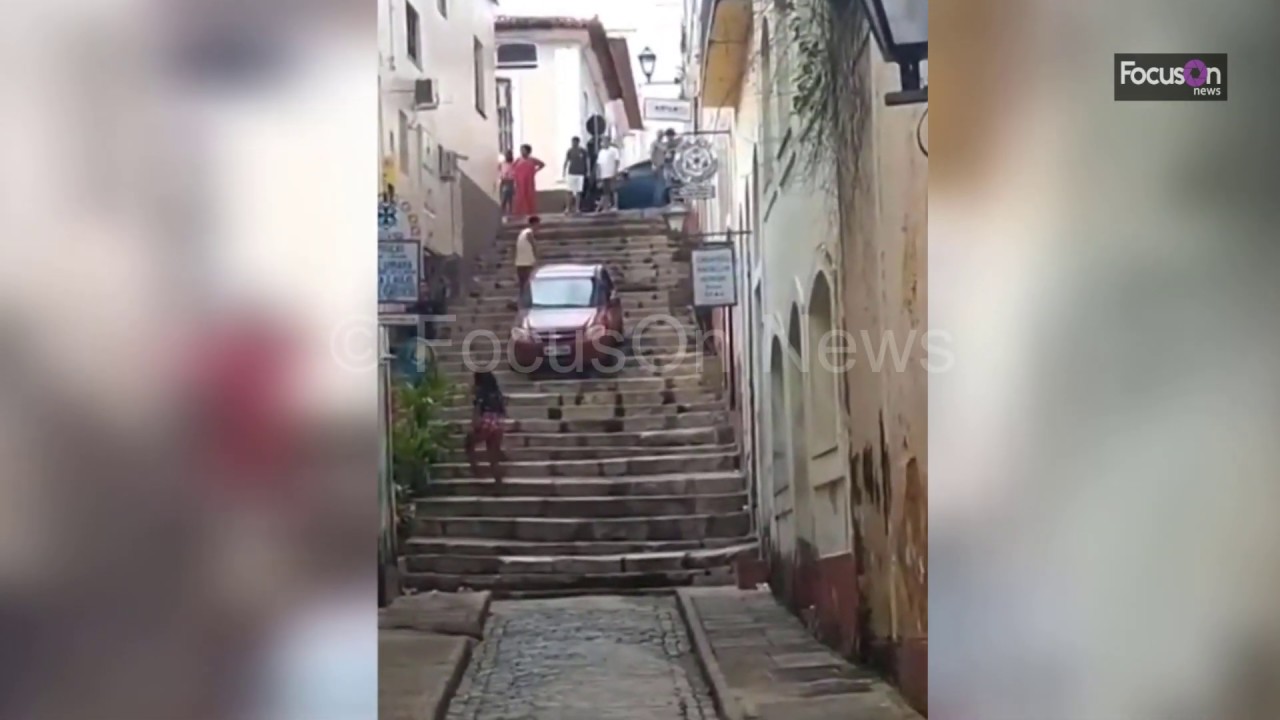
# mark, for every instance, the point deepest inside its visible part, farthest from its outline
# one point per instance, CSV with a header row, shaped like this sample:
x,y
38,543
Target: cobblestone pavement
x,y
585,658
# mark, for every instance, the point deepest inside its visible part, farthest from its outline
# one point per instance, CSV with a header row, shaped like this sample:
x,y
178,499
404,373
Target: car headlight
x,y
521,334
595,332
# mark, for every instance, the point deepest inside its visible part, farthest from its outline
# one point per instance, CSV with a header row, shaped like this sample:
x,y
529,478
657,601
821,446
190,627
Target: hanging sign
x,y
694,192
399,264
714,276
660,110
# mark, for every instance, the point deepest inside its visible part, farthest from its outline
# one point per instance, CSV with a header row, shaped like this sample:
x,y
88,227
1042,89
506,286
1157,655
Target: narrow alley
x,y
598,577
584,658
625,475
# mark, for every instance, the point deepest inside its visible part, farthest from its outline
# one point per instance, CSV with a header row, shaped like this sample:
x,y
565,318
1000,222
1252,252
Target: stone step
x,y
607,398
503,304
657,332
469,318
582,507
584,373
689,382
575,564
594,252
713,483
490,270
554,226
508,586
624,263
675,437
481,327
522,396
600,231
629,262
651,341
607,467
620,361
507,286
481,547
463,411
671,527
590,453
527,386
631,300
612,425
604,244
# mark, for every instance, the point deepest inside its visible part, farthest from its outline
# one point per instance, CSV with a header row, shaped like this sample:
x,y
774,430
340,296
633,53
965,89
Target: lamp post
x,y
675,214
647,60
901,29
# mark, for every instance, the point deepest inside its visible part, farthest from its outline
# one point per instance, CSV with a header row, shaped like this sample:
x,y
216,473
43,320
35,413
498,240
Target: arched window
x,y
517,55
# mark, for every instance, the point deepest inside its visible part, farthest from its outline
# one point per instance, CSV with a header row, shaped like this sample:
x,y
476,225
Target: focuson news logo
x,y
1171,76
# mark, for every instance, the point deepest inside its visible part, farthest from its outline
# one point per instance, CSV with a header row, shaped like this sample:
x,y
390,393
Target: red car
x,y
570,316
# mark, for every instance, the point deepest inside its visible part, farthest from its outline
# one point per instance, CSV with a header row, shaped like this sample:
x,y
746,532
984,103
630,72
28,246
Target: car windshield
x,y
562,292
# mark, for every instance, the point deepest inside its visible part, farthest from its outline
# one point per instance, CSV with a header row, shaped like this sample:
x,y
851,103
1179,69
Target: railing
x,y
387,546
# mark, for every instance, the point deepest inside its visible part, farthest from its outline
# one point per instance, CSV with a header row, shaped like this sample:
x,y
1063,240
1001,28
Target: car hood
x,y
556,318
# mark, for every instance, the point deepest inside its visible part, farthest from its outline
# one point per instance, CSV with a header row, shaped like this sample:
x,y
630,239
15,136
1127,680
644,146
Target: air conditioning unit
x,y
426,96
448,164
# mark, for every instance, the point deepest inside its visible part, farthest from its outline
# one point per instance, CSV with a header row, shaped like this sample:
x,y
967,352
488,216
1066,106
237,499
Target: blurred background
x,y
188,497
188,405
1102,503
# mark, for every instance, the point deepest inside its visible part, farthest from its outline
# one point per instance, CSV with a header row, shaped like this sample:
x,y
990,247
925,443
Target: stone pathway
x,y
764,665
584,658
424,643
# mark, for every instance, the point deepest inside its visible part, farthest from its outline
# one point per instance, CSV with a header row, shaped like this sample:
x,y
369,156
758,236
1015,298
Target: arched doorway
x,y
799,445
827,469
778,490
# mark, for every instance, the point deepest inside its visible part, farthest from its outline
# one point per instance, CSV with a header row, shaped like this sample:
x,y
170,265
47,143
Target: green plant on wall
x,y
420,438
829,40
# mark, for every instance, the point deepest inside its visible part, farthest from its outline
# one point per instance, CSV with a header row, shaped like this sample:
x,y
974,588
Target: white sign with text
x,y
398,271
660,110
714,277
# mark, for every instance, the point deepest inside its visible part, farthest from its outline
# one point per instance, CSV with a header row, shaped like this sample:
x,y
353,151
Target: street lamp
x,y
901,29
647,59
675,214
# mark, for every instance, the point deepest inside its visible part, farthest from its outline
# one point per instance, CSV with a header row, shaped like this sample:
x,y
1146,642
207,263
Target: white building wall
x,y
570,86
553,101
413,140
462,127
534,101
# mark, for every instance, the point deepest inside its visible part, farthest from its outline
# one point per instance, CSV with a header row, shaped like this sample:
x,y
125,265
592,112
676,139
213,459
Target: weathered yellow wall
x,y
884,267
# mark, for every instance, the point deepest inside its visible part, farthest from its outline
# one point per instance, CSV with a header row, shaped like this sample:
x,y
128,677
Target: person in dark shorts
x,y
488,423
507,182
575,174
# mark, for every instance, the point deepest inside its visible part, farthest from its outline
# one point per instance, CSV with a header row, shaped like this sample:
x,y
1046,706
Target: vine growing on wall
x,y
832,94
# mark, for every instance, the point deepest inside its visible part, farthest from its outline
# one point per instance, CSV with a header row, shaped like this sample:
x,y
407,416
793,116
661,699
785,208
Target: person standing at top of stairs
x,y
526,254
575,175
524,172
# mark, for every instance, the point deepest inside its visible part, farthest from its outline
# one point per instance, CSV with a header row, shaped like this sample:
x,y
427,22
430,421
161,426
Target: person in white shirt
x,y
607,166
526,258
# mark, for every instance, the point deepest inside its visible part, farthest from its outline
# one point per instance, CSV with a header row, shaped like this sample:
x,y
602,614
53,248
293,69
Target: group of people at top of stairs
x,y
584,177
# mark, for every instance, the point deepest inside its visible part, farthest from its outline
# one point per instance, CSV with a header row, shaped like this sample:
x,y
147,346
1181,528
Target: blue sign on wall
x,y
399,266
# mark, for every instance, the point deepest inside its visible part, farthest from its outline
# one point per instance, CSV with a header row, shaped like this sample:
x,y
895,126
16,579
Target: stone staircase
x,y
624,482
